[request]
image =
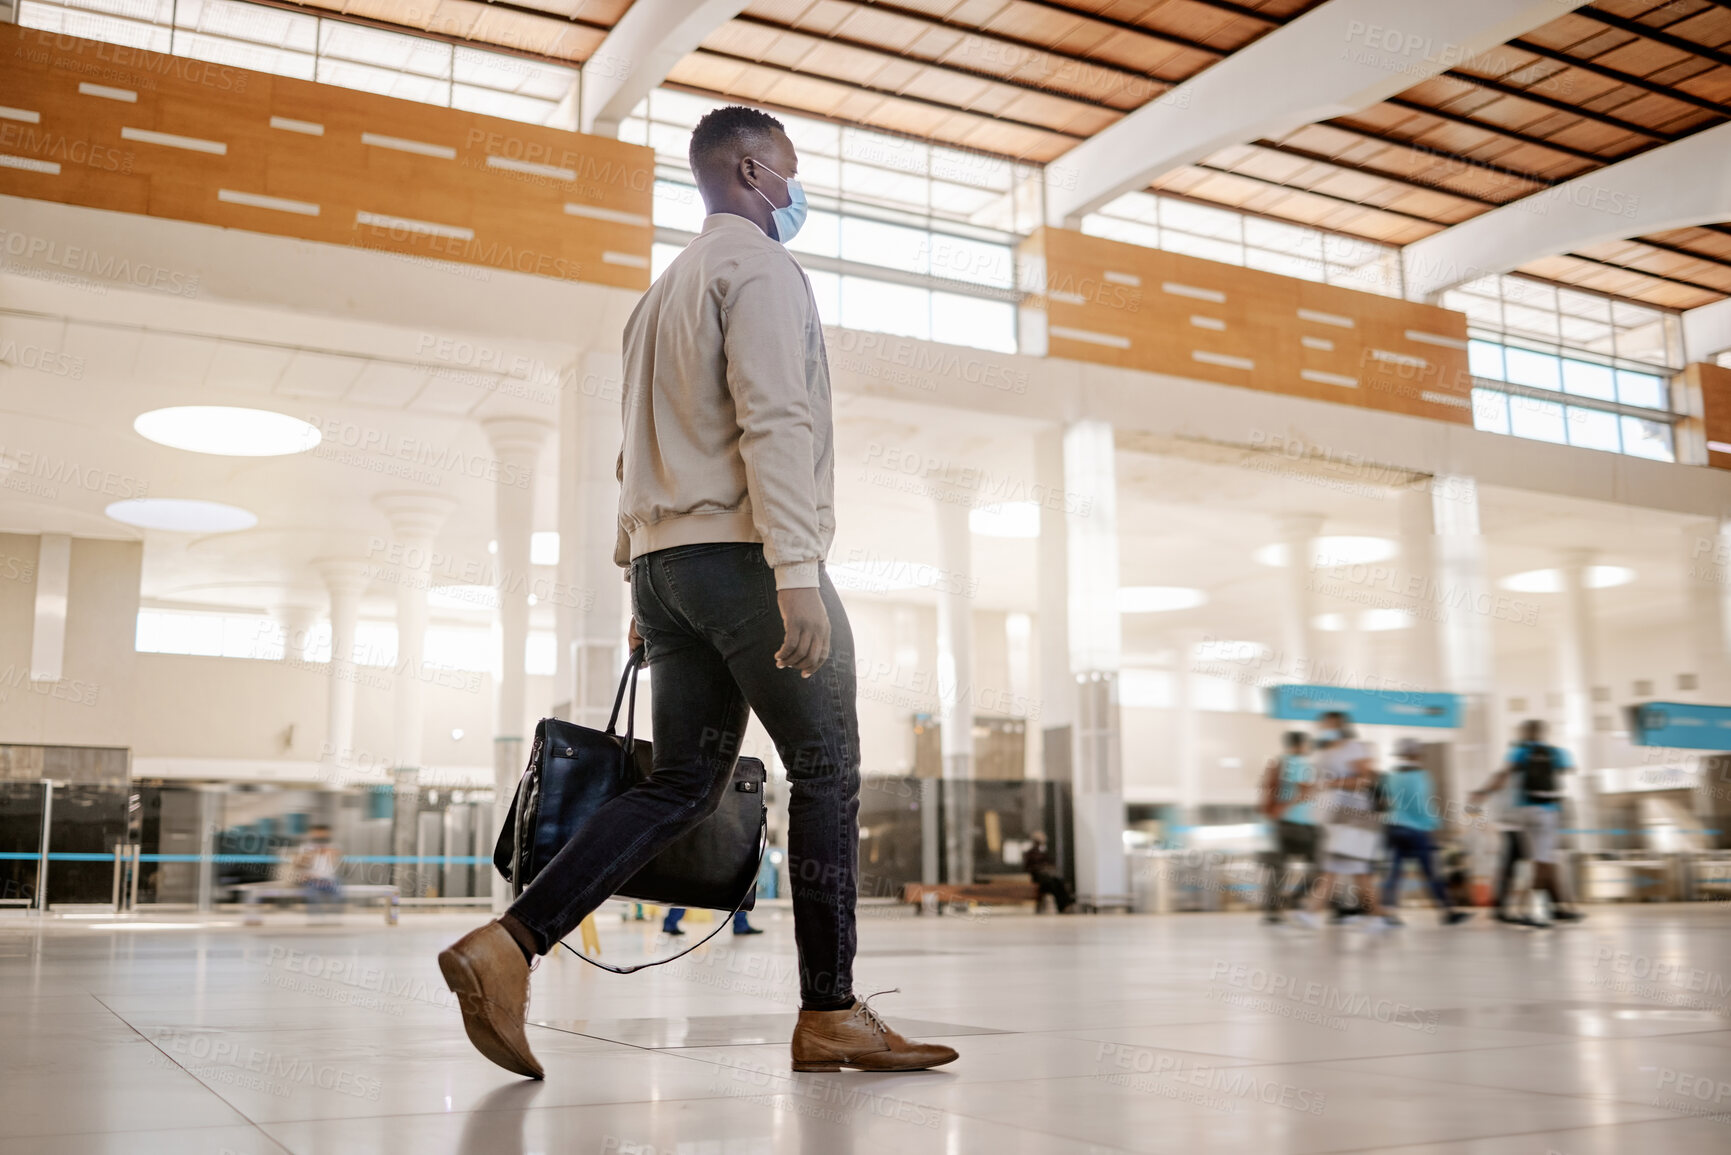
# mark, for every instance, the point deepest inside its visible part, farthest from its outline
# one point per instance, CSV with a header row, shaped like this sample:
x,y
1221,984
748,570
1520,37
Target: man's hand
x,y
805,646
632,637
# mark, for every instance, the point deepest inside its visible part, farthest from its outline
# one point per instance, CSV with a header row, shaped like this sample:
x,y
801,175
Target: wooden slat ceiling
x,y
1028,79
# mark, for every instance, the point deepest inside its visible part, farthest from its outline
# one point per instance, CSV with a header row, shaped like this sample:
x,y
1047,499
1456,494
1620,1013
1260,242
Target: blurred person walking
x,y
726,514
1347,785
1412,820
1536,769
670,924
1288,790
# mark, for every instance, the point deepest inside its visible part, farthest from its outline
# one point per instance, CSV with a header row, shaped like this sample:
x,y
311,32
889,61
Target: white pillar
x,y
1055,686
297,624
415,522
591,615
345,579
517,445
1707,555
1095,635
956,677
1578,660
1417,573
1187,740
1463,633
1298,534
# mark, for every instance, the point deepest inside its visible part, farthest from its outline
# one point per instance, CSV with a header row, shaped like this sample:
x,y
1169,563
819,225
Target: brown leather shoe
x,y
486,971
858,1038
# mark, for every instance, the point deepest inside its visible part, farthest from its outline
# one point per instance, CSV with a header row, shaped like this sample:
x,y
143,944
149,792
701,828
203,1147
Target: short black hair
x,y
734,129
1295,739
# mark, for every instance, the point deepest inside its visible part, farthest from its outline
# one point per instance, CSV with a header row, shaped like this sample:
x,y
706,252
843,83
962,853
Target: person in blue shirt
x,y
1287,789
1411,820
1536,768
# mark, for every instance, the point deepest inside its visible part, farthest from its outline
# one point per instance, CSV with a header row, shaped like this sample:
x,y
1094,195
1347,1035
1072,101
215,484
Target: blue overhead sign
x,y
1366,707
1683,725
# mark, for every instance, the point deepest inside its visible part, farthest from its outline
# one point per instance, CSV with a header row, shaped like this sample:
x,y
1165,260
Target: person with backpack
x,y
1536,769
1412,819
1288,787
1347,785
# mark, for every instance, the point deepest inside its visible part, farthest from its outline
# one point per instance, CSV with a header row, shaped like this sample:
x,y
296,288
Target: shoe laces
x,y
863,1010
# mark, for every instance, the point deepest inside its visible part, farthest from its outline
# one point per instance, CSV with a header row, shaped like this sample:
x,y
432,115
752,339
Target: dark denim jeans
x,y
1404,842
710,621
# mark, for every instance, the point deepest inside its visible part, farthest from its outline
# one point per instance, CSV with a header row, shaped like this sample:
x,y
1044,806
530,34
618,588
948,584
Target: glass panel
x,y
1539,370
1226,252
820,235
1203,222
86,824
1585,379
1485,359
892,246
1593,429
1648,439
1304,268
505,105
826,287
257,57
391,50
960,259
512,74
677,206
383,81
20,841
1290,239
169,841
1490,411
972,321
1642,389
1540,420
885,308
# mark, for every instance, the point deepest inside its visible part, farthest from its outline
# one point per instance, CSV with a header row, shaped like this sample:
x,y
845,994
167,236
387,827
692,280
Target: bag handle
x,y
635,662
762,849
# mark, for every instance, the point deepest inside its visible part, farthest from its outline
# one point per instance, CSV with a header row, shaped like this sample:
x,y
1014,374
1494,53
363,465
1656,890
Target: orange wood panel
x,y
1117,304
1714,384
422,173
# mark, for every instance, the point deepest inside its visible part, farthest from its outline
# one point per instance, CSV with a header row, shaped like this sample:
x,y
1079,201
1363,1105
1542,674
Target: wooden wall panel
x,y
1714,384
1117,304
62,140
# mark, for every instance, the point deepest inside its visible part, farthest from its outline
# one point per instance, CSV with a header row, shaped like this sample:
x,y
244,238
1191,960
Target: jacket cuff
x,y
800,575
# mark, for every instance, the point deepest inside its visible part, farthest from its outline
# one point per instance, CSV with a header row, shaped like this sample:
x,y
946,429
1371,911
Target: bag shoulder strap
x,y
762,849
629,677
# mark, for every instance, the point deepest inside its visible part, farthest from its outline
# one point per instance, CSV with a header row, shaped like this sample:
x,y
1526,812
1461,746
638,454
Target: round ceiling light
x,y
227,431
1550,581
1158,599
1007,519
181,515
1334,551
1370,621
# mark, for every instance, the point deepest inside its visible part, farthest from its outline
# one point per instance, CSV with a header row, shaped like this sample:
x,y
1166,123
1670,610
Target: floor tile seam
x,y
1431,1143
1579,1095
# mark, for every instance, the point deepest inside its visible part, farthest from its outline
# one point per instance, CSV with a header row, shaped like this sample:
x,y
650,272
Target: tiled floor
x,y
1184,1033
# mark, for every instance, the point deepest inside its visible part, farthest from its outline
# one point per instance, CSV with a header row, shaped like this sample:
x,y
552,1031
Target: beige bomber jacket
x,y
728,428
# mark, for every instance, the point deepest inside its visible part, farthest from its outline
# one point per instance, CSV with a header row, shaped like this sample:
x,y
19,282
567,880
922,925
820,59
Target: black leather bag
x,y
573,770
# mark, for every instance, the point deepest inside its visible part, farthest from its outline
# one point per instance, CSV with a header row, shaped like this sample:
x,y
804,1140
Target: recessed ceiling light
x,y
181,515
1332,623
227,430
1550,581
463,597
1158,599
1370,621
1008,519
544,548
1334,551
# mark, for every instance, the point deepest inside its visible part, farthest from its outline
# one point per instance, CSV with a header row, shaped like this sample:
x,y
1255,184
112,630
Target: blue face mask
x,y
1328,736
787,220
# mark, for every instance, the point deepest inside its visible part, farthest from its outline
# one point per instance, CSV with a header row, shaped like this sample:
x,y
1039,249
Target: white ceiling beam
x,y
637,55
1671,187
1336,59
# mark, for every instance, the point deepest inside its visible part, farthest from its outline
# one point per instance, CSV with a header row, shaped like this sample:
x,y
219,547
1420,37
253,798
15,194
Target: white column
x,y
1416,573
345,579
1298,534
1055,685
297,624
517,445
956,676
1578,669
1463,635
1187,739
1095,634
1707,556
592,644
415,522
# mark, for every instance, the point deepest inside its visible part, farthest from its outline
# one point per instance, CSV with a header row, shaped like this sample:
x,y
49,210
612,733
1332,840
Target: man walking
x,y
1287,788
1537,769
726,513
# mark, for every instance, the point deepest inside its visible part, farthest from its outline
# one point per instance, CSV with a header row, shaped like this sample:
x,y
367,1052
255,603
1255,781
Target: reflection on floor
x,y
1185,1033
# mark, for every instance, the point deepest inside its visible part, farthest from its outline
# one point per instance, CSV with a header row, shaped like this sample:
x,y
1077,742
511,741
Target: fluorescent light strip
x,y
23,114
305,127
1179,290
1322,343
1421,337
254,200
1067,298
1326,318
548,170
629,260
1088,337
31,164
1719,447
418,147
1446,399
1400,358
1214,323
1221,359
1322,378
1130,279
600,214
408,224
107,93
170,140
